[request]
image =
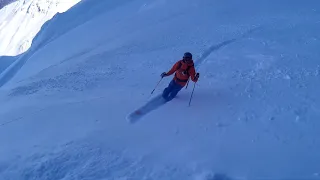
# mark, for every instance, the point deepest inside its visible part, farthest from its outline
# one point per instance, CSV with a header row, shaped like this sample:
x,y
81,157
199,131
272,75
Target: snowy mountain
x,y
255,109
21,20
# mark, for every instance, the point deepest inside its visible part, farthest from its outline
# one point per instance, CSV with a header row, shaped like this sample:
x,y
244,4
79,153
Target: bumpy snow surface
x,y
255,112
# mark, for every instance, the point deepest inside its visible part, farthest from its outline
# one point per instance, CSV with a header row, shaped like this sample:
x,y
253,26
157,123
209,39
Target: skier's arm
x,y
173,69
192,73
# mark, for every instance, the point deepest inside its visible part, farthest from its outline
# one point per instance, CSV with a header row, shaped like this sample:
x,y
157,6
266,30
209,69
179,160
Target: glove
x,y
163,74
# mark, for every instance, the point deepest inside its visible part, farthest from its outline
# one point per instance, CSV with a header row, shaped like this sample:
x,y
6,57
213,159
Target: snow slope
x,y
255,109
21,20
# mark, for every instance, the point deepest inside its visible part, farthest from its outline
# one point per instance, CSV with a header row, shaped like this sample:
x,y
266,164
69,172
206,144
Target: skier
x,y
183,69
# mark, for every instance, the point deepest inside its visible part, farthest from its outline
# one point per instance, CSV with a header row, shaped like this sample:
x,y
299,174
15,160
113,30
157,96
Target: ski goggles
x,y
187,58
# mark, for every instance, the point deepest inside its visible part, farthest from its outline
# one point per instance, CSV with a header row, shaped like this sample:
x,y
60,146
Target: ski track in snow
x,y
213,48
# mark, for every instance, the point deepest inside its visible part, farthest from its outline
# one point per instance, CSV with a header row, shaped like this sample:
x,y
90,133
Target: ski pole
x,y
187,83
156,85
192,93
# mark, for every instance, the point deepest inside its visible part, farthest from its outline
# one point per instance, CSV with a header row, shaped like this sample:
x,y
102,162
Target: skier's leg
x,y
175,90
168,89
173,94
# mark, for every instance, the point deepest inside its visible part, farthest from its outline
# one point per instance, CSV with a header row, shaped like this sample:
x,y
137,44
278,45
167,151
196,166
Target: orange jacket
x,y
181,75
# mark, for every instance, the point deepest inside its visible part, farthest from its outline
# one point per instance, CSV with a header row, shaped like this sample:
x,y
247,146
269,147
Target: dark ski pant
x,y
171,91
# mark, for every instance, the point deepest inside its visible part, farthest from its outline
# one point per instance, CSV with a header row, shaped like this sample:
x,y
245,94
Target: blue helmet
x,y
187,55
